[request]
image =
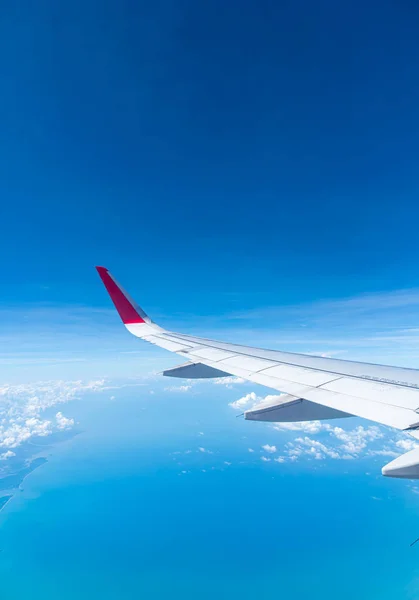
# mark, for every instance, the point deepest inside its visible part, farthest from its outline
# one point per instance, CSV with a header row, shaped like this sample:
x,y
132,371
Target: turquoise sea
x,y
111,515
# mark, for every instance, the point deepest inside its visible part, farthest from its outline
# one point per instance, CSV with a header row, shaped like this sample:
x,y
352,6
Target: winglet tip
x,y
101,270
127,309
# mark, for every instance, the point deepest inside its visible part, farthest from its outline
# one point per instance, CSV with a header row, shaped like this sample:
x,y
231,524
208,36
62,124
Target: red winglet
x,y
123,305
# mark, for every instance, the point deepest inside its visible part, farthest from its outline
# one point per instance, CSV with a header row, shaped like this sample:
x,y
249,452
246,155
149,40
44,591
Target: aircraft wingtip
x,y
129,312
101,270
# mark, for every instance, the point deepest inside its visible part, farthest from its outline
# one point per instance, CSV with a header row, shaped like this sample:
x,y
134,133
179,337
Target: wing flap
x,y
288,409
194,371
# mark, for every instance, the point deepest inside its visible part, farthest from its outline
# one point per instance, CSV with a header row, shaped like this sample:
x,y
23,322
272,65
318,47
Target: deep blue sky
x,y
221,146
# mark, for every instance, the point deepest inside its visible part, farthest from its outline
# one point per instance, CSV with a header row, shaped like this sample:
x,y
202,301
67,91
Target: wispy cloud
x,y
178,388
363,327
228,382
81,341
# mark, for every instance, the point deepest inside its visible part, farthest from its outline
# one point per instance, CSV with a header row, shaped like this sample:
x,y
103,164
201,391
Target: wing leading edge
x,y
384,394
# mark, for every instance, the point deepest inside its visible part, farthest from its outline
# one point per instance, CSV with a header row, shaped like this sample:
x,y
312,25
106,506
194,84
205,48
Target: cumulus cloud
x,y
63,422
268,448
352,441
6,455
314,448
357,439
251,399
265,459
306,426
246,401
340,444
336,442
22,408
346,444
406,444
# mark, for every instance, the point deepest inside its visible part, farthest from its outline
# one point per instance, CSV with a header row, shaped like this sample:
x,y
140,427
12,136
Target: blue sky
x,y
230,148
248,171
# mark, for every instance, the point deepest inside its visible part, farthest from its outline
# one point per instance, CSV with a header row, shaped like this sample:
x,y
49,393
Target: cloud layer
x,y
335,442
22,408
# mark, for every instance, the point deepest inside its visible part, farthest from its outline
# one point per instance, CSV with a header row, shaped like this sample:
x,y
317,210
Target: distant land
x,y
17,468
12,482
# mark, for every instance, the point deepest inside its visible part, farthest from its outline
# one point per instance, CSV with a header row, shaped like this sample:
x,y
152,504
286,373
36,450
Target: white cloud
x,y
406,444
357,439
306,426
228,381
269,448
279,459
250,449
6,455
63,422
22,406
205,451
265,459
352,443
384,452
251,399
338,443
245,401
316,448
178,388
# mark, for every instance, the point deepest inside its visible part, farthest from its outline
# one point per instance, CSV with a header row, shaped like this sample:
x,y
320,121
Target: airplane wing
x,y
315,387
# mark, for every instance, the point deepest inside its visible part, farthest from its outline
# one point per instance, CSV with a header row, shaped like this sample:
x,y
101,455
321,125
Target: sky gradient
x,y
231,146
248,171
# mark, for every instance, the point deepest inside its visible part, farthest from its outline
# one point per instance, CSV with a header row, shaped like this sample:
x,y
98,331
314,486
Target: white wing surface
x,y
317,387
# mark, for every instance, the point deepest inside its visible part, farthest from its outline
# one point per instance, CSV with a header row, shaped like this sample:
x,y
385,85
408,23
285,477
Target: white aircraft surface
x,y
315,387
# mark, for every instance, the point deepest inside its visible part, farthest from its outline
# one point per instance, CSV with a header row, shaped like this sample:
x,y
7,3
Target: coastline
x,y
11,492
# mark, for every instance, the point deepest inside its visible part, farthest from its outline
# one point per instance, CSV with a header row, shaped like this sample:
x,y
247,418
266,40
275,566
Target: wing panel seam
x,y
340,375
